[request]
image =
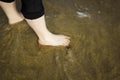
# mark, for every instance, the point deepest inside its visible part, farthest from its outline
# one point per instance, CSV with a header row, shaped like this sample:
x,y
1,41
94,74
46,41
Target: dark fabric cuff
x,y
8,1
33,15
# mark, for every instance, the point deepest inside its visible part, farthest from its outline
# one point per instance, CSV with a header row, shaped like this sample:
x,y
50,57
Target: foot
x,y
45,36
55,40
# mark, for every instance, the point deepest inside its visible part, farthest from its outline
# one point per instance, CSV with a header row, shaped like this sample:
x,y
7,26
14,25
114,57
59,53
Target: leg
x,y
33,12
9,7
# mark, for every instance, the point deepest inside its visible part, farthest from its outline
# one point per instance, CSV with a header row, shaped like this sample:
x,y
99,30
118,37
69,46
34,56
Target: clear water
x,y
94,52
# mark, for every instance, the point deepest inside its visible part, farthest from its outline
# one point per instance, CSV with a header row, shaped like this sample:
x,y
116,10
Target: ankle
x,y
15,19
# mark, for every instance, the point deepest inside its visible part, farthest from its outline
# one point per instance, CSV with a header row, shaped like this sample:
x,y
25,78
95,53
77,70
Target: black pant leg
x,y
8,1
32,9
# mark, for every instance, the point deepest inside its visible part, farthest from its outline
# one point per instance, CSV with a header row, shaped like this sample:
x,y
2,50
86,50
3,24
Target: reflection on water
x,y
93,53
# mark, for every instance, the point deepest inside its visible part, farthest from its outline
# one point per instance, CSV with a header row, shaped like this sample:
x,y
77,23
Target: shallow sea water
x,y
93,54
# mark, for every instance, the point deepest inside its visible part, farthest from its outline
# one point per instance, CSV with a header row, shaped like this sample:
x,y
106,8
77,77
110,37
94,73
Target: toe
x,y
67,42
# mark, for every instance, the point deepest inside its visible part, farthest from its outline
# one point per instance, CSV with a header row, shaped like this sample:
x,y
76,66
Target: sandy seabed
x,y
93,54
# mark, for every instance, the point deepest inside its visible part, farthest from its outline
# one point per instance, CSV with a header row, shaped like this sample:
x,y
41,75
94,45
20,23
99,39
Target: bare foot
x,y
55,40
45,36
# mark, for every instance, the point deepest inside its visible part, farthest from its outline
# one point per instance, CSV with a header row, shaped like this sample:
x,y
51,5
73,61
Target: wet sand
x,y
93,54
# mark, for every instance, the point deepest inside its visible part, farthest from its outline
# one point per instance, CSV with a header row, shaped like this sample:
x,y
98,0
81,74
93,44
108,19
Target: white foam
x,y
82,14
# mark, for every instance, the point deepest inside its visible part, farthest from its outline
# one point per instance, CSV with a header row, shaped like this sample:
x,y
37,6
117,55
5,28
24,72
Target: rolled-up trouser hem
x,y
8,1
31,9
33,15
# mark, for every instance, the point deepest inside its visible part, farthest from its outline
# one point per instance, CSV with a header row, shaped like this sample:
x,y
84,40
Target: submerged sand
x,y
93,54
